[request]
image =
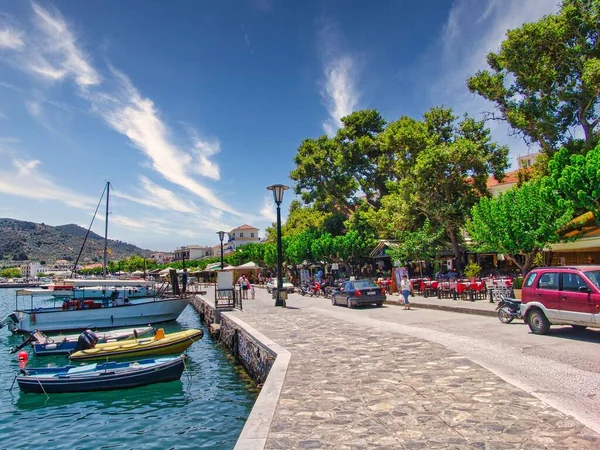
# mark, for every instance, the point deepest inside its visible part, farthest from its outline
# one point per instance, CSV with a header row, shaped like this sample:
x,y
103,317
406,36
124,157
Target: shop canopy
x,y
249,266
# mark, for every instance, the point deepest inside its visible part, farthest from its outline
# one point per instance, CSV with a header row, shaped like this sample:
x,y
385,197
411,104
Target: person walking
x,y
184,279
243,282
406,289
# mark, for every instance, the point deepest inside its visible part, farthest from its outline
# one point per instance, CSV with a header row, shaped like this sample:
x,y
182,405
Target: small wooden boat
x,y
159,344
101,377
65,344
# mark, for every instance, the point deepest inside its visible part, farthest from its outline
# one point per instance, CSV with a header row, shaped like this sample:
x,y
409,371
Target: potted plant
x,y
517,286
472,270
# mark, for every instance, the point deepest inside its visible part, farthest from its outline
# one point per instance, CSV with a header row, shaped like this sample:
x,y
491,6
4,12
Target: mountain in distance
x,y
22,241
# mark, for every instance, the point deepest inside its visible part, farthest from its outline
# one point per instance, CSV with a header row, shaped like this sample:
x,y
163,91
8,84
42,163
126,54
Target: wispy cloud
x,y
54,53
268,210
151,194
24,178
60,56
10,86
339,93
10,39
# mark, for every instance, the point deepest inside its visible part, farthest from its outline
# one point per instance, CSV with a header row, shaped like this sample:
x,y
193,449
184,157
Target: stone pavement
x,y
360,388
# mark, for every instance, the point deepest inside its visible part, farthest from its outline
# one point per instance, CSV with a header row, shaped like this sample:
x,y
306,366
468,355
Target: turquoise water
x,y
207,409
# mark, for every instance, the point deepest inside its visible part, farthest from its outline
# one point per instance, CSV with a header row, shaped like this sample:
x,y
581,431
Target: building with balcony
x,y
241,235
162,257
192,252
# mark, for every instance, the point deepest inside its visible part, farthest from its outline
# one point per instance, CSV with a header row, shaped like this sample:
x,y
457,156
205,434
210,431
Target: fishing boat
x,y
65,343
159,344
109,312
100,377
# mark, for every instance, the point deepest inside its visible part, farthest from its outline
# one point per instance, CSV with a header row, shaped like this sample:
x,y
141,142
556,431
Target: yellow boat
x,y
159,344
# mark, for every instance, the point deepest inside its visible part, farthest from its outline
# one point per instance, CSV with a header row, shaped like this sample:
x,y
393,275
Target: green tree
x,y
520,222
449,175
577,178
421,244
11,272
545,80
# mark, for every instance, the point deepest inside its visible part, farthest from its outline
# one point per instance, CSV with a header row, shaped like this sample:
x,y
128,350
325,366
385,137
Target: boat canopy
x,y
112,283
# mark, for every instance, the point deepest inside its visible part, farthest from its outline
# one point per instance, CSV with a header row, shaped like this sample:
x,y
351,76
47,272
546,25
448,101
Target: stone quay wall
x,y
256,358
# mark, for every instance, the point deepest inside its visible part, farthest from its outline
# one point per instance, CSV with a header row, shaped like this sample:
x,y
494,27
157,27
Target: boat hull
x,y
62,345
171,344
135,314
109,377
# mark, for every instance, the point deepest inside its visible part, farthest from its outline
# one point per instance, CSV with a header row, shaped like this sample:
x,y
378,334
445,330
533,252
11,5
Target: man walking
x,y
184,278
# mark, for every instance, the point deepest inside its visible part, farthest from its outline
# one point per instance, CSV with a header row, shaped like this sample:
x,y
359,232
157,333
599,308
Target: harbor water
x,y
207,409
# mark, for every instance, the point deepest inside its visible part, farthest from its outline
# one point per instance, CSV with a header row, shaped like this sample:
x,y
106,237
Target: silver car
x,y
285,285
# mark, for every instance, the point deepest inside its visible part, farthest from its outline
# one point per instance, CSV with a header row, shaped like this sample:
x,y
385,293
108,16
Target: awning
x,y
249,266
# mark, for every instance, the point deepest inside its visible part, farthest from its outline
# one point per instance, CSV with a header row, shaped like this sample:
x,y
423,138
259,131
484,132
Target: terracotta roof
x,y
245,227
509,178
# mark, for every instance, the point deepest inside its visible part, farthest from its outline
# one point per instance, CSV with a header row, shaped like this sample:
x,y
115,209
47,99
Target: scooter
x,y
508,309
311,289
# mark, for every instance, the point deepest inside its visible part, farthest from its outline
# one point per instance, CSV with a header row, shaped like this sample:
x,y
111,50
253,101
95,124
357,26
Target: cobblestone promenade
x,y
359,388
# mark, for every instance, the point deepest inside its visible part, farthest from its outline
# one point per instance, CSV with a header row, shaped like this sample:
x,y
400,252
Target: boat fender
x,y
23,357
50,347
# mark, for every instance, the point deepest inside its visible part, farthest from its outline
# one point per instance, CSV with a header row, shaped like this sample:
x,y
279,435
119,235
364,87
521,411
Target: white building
x,y
243,235
162,257
31,269
192,252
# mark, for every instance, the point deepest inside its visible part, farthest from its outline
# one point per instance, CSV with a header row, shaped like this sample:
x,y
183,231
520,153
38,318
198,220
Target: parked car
x,y
358,292
286,285
561,296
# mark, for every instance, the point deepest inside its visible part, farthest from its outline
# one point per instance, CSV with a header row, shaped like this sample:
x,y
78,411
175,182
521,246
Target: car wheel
x,y
379,304
538,323
348,302
579,328
268,291
333,300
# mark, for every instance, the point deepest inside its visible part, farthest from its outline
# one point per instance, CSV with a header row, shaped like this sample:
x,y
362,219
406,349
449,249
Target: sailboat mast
x,y
105,263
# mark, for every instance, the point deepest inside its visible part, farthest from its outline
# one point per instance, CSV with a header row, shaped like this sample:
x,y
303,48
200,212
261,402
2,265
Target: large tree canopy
x,y
545,79
520,222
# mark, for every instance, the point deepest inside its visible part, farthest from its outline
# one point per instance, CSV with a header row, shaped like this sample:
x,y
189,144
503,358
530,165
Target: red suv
x,y
561,296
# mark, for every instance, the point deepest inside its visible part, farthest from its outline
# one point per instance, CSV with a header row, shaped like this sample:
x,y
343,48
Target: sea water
x,y
206,409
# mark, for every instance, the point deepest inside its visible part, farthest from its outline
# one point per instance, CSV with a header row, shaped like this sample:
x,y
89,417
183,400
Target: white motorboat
x,y
75,314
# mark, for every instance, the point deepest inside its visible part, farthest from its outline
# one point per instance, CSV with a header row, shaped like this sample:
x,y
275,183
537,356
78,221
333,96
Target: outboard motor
x,y
88,339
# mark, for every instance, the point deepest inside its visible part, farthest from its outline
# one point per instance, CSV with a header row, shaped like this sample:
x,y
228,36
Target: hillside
x,y
20,241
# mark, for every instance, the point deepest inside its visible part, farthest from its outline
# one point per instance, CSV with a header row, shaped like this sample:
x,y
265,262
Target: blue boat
x,y
101,377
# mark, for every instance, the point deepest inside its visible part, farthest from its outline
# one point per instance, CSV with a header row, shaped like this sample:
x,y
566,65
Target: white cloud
x,y
10,86
339,93
60,46
268,210
25,179
34,108
10,39
151,194
473,29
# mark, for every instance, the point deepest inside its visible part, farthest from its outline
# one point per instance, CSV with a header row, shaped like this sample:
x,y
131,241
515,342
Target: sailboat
x,y
110,312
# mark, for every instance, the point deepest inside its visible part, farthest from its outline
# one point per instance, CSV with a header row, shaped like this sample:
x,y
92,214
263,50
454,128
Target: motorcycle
x,y
508,309
311,289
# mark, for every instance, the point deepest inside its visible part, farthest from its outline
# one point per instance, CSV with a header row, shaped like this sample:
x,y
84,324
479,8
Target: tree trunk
x,y
526,265
455,247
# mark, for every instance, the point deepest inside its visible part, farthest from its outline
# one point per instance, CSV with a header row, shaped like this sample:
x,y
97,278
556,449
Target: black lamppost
x,y
278,190
221,237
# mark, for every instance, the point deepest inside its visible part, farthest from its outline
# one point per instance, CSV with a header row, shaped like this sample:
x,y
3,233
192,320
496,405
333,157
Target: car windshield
x,y
594,276
283,280
364,284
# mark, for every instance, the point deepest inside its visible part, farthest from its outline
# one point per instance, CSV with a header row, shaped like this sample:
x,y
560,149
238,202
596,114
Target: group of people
x,y
245,286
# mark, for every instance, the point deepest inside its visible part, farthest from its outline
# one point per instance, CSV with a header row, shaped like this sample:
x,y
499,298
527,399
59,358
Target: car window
x,y
594,276
548,280
366,284
572,282
347,286
530,278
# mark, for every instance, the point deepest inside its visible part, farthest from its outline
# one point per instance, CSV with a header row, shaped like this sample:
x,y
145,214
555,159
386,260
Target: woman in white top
x,y
406,289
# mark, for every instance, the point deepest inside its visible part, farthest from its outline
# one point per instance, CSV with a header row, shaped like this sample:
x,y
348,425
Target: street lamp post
x,y
221,237
278,190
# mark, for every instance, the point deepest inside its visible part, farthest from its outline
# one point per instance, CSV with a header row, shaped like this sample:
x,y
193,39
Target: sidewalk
x,y
359,387
479,307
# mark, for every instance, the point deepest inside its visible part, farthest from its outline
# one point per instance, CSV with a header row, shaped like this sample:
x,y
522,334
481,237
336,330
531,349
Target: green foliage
x,y
518,282
545,79
521,221
472,270
577,178
421,244
11,272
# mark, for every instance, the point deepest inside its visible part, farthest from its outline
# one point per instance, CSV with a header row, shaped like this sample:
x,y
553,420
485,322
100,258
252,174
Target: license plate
x,y
371,293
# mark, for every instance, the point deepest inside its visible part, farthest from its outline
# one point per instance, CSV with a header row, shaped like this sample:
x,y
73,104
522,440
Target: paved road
x,y
562,368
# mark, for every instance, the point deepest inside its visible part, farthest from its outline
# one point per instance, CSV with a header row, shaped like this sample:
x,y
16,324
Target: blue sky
x,y
192,108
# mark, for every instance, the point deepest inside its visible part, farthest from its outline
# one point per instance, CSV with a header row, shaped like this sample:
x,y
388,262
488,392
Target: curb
x,y
456,309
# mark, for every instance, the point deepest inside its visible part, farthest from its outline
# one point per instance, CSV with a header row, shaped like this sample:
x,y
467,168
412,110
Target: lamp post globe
x,y
221,237
278,190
